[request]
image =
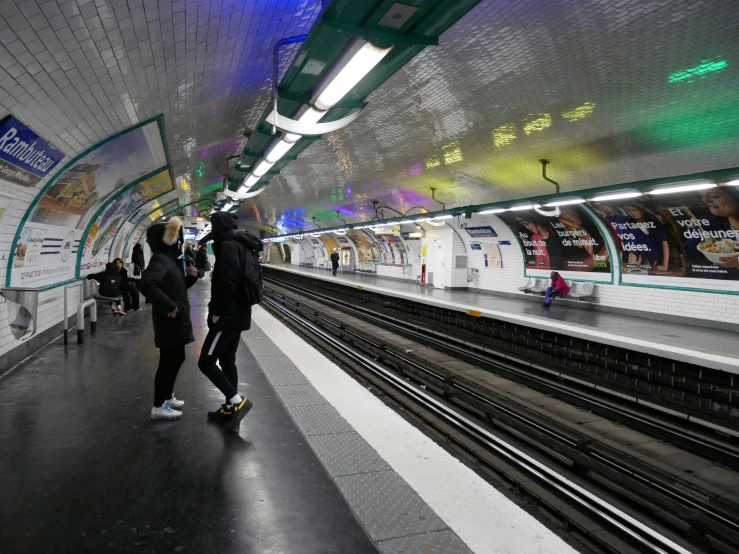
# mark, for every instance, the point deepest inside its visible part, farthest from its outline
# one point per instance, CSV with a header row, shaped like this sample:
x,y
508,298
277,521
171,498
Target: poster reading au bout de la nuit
x,y
688,239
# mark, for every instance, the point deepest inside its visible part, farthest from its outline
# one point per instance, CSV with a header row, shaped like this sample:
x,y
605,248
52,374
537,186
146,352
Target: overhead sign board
x,y
25,157
481,231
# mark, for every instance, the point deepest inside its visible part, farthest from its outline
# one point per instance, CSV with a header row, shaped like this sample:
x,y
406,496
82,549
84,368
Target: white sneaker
x,y
165,412
176,404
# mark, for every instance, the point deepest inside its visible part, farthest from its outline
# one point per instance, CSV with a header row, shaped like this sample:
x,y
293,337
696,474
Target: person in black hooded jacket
x,y
229,313
165,284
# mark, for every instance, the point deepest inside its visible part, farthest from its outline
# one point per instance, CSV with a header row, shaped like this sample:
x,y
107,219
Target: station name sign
x,y
25,157
481,232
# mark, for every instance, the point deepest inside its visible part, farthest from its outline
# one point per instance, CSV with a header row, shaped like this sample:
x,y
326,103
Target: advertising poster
x,y
97,248
682,239
318,248
77,194
366,249
570,242
493,259
392,251
63,212
330,242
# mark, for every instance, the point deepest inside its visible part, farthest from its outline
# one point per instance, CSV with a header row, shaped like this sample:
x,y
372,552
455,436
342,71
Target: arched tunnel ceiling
x,y
608,92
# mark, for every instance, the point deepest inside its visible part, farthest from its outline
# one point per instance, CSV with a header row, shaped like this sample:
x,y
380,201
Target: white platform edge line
x,y
481,516
724,363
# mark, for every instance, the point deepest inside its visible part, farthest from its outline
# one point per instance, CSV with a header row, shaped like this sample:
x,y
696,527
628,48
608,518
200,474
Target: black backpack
x,y
253,286
111,285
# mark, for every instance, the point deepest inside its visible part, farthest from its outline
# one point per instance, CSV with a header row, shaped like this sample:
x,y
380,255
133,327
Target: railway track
x,y
591,488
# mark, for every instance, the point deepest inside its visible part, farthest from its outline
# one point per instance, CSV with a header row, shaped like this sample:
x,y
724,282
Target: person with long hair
x,y
650,240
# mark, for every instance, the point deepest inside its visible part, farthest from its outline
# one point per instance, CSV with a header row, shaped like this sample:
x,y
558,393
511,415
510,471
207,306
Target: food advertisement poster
x,y
72,199
366,249
570,242
688,239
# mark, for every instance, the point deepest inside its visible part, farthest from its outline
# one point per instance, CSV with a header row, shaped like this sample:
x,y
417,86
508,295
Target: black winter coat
x,y
228,297
165,286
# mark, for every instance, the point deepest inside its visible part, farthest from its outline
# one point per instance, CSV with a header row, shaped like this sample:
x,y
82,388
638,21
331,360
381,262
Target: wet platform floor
x,y
84,469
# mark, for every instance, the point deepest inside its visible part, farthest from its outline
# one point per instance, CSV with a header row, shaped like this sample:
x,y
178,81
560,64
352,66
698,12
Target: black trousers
x,y
170,362
220,346
334,267
130,298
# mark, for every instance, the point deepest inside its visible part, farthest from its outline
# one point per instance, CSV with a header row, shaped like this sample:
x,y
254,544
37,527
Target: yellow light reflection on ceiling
x,y
185,186
452,153
504,135
539,122
580,112
433,162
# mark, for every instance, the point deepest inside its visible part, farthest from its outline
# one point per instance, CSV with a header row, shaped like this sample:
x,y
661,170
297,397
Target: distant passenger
x,y
229,313
559,288
137,256
334,261
202,263
109,282
165,285
129,292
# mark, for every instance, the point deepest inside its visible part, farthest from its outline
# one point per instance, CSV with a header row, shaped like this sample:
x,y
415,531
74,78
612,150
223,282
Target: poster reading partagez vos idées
x,y
685,239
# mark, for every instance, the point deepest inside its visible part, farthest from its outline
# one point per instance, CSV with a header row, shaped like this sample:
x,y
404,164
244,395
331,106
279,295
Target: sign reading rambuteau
x,y
25,157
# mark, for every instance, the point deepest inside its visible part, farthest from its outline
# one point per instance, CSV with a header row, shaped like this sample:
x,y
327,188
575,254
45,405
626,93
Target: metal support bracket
x,y
287,125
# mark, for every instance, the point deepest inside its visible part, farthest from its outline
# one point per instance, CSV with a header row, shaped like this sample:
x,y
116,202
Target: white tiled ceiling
x,y
592,85
78,71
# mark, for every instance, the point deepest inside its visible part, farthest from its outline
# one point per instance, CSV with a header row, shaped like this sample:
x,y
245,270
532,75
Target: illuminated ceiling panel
x,y
608,92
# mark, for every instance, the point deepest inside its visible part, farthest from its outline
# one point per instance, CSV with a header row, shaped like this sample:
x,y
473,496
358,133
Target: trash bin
x,y
22,311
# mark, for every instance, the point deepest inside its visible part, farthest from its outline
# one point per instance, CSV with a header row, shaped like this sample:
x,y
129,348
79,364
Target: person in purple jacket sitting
x,y
559,288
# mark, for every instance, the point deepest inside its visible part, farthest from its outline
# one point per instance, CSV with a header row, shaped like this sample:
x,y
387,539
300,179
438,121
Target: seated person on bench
x,y
559,288
129,292
110,286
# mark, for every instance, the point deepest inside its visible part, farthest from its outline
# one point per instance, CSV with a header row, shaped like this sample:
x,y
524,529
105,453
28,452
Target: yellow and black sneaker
x,y
222,415
238,411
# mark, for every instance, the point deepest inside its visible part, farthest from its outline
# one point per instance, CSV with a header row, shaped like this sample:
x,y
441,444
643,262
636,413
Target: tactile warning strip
x,y
389,509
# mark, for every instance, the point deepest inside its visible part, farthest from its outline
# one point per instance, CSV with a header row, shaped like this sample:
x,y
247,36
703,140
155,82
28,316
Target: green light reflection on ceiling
x,y
706,66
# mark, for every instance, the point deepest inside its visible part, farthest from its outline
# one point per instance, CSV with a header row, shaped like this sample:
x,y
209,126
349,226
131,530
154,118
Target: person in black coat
x,y
229,313
109,285
334,261
137,256
165,284
129,292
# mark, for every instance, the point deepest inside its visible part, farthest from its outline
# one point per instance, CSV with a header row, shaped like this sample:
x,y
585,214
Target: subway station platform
x,y
712,348
320,465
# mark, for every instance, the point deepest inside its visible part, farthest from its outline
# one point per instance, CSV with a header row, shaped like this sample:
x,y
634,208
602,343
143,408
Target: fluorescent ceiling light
x,y
683,188
339,232
227,206
318,234
309,116
358,62
419,219
262,168
521,207
615,196
278,150
565,202
492,211
734,183
411,220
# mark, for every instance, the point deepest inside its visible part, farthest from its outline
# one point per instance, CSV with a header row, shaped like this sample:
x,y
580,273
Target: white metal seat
x,y
540,287
582,290
529,285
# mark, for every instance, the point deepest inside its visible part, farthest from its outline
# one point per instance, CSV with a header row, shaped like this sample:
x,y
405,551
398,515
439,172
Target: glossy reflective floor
x,y
699,339
84,469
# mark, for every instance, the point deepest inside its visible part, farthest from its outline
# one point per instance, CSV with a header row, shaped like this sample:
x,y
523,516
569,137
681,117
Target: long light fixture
x,y
492,211
683,188
411,221
279,149
615,196
734,183
522,207
565,202
262,168
358,61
